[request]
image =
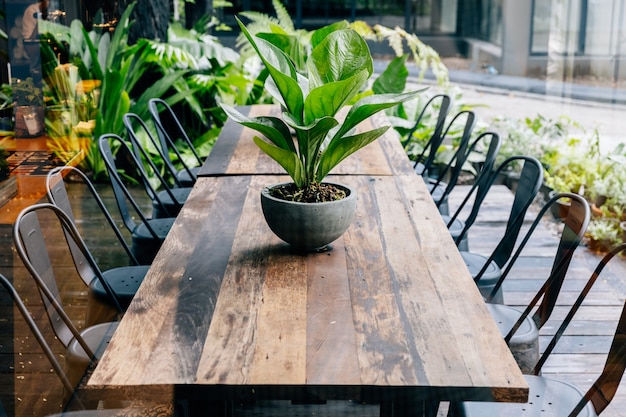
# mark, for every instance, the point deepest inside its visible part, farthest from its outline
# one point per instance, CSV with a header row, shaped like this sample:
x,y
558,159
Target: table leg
x,y
405,407
198,408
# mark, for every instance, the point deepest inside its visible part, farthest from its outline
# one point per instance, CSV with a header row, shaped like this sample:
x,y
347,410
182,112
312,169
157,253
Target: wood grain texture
x,y
389,313
242,310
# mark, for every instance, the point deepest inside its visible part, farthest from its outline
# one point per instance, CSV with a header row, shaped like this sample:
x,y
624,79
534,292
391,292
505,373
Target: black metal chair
x,y
149,233
486,271
36,252
426,158
123,280
172,135
552,397
520,329
75,401
439,189
455,224
172,198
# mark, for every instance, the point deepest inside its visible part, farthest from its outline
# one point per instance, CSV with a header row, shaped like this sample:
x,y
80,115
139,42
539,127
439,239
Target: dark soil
x,y
315,193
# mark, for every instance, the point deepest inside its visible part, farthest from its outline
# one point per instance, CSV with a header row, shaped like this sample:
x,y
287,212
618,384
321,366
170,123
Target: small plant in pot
x,y
338,67
29,113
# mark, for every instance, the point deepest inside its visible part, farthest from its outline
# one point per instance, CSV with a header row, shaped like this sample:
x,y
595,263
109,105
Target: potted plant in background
x,y
338,67
29,114
6,110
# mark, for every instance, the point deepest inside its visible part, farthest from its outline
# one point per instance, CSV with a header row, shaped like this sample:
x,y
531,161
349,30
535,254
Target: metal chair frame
x,y
168,142
604,388
484,175
58,196
172,198
455,166
123,196
62,324
428,154
78,407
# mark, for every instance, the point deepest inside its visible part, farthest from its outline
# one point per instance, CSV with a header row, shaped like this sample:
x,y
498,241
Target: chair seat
x,y
487,282
524,343
547,397
97,338
455,230
124,281
172,206
161,228
185,179
144,245
436,192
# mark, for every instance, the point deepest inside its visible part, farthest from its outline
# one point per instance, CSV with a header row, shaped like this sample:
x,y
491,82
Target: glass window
x,y
557,26
423,16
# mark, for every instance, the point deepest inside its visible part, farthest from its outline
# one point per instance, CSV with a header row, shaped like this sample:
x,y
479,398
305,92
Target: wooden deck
x,y
29,388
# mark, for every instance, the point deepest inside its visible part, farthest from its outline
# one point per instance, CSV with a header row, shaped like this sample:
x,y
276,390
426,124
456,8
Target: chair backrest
x,y
483,177
530,180
575,225
137,129
57,195
146,170
19,304
454,168
123,196
603,389
169,130
30,243
427,156
76,402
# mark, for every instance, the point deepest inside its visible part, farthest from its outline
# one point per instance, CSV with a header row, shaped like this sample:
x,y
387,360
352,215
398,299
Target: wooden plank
x,y
8,189
280,353
330,320
377,319
160,295
457,302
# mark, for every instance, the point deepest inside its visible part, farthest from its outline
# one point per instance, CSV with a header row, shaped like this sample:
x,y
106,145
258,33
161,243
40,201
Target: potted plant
x,y
338,67
603,234
6,108
29,115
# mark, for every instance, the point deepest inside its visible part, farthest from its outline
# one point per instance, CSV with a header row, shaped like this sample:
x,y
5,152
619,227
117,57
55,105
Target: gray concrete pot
x,y
308,226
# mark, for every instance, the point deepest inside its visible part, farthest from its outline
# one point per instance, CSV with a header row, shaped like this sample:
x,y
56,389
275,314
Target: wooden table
x,y
390,314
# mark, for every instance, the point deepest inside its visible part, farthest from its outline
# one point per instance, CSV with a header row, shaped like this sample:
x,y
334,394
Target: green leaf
x,y
286,159
289,44
281,70
340,149
96,69
155,90
327,99
272,128
393,79
371,105
319,35
339,56
310,139
120,37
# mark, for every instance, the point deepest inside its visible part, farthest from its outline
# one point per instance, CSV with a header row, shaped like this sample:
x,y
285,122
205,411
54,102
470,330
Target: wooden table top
x,y
227,308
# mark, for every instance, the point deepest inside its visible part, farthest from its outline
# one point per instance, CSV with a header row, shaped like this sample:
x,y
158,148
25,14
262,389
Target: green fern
x,y
423,55
283,17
